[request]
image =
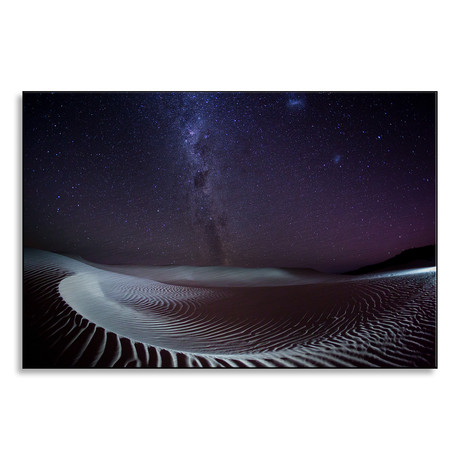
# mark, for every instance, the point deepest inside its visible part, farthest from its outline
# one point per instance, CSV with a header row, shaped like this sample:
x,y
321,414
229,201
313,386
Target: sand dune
x,y
220,276
79,315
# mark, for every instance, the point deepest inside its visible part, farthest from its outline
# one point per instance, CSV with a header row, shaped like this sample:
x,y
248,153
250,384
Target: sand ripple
x,y
76,315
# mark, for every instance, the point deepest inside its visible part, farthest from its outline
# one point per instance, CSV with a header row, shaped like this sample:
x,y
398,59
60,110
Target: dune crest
x,y
79,315
221,276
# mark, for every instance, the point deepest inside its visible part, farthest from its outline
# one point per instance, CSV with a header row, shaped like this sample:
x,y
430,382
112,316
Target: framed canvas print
x,y
229,229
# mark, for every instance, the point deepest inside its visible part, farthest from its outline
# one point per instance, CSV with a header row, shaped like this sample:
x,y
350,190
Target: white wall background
x,y
237,45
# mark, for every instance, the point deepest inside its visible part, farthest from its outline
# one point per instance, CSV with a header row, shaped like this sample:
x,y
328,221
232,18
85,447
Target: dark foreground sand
x,y
77,315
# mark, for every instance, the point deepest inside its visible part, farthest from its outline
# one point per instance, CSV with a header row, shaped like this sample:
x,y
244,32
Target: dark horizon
x,y
326,181
354,271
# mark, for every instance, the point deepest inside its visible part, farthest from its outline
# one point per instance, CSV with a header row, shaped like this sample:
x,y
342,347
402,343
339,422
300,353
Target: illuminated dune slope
x,y
77,315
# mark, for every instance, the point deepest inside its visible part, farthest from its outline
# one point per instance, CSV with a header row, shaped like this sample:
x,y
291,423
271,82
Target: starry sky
x,y
330,181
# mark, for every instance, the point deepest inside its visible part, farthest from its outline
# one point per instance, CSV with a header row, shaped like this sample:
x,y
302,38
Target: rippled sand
x,y
79,315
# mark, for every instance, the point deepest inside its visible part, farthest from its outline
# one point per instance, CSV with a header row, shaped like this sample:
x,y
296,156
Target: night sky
x,y
330,181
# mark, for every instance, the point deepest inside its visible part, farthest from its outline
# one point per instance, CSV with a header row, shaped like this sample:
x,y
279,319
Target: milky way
x,y
331,181
204,197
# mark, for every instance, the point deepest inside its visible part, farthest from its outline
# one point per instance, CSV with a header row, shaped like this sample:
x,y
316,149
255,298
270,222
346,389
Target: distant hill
x,y
411,258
